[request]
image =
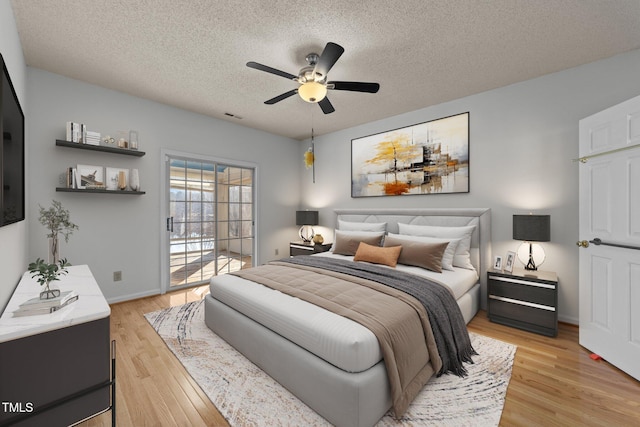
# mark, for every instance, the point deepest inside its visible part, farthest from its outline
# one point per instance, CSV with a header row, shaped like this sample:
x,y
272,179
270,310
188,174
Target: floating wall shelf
x,y
97,190
104,149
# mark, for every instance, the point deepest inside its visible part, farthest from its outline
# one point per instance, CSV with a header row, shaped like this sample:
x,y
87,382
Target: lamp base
x,y
531,255
306,237
531,265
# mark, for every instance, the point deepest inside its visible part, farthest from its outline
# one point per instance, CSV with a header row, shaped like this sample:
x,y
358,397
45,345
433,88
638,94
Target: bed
x,y
329,362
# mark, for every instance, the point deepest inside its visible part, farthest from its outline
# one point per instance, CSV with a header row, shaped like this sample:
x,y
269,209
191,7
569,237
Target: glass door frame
x,y
165,156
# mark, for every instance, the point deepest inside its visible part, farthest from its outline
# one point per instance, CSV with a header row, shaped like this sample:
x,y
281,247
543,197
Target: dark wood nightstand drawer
x,y
296,248
538,314
539,293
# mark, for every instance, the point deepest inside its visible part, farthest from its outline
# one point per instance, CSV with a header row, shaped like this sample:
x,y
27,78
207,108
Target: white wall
x,y
13,237
122,232
523,138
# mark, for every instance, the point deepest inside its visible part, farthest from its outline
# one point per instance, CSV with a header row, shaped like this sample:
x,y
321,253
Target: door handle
x,y
583,244
170,224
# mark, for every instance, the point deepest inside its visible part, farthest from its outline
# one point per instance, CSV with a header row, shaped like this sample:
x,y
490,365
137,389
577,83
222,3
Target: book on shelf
x,y
93,138
68,178
76,132
36,306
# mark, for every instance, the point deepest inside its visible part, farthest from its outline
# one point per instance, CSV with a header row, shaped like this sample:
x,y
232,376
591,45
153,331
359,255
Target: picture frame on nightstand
x,y
497,263
510,260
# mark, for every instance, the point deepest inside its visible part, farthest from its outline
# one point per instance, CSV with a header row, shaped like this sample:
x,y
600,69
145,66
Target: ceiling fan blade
x,y
268,69
328,58
326,106
355,86
281,97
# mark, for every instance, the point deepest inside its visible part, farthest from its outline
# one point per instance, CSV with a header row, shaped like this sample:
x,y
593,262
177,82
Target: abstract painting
x,y
426,158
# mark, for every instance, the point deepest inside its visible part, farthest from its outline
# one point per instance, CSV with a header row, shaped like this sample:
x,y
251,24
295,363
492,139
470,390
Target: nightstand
x,y
524,299
300,248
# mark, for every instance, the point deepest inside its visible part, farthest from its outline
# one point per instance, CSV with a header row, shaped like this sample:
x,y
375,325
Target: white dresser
x,y
56,367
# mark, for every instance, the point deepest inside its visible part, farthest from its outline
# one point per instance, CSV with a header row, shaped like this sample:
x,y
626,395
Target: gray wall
x,y
523,139
122,233
14,237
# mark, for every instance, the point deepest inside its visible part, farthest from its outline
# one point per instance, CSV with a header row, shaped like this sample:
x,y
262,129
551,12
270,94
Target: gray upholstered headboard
x,y
452,217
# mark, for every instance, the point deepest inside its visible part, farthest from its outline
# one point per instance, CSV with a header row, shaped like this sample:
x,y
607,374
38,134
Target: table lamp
x,y
306,219
531,228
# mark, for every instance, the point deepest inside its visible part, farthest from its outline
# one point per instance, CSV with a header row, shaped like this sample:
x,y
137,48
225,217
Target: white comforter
x,y
338,340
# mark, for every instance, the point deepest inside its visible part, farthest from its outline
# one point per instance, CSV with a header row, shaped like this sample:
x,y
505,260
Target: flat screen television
x,y
12,153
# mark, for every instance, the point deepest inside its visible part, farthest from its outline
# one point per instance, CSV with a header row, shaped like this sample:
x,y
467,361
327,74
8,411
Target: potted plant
x,y
57,220
47,273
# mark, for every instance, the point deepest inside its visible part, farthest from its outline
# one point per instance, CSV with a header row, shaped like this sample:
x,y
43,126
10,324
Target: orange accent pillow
x,y
378,255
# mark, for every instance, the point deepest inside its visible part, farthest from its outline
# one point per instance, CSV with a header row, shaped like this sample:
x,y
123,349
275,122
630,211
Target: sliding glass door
x,y
210,219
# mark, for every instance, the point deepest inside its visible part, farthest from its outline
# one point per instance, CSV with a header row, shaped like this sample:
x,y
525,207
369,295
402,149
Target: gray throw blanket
x,y
449,330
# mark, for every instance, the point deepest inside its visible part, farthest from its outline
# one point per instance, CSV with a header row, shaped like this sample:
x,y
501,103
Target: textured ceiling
x,y
192,54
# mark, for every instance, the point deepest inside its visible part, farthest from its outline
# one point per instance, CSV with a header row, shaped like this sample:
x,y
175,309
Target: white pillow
x,y
462,257
447,257
361,226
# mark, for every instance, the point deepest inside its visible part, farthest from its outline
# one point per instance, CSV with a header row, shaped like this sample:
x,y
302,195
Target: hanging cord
x,y
313,153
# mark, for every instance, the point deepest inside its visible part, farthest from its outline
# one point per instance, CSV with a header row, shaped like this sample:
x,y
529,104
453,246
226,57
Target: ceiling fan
x,y
313,79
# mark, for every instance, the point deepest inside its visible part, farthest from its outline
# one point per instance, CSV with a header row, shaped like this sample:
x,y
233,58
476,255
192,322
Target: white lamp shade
x,y
312,91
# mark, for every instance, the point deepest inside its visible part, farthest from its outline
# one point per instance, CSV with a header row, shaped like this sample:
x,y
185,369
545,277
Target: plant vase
x,y
54,250
49,292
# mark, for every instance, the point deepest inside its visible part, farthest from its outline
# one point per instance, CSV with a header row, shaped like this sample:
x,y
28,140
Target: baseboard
x,y
569,320
129,297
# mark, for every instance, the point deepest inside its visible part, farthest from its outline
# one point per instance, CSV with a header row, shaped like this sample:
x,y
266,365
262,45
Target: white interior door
x,y
610,215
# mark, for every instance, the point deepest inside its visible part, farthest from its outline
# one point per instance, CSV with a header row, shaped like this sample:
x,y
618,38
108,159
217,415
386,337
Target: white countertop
x,y
91,305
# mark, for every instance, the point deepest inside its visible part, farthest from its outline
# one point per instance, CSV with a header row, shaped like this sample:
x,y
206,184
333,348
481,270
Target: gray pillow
x,y
347,242
419,254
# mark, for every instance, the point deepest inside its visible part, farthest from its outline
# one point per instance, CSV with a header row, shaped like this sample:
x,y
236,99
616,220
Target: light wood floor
x,y
554,382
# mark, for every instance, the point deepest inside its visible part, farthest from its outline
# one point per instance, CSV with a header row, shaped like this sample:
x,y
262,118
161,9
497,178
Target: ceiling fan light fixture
x,y
312,92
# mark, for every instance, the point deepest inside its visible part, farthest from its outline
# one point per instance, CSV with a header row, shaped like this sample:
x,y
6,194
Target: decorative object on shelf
x,y
113,178
58,221
134,180
90,176
109,141
497,263
122,181
529,229
306,219
45,273
318,239
133,139
426,158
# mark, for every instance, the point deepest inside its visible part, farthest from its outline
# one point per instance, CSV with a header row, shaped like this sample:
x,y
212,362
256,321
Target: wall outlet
x,y
117,276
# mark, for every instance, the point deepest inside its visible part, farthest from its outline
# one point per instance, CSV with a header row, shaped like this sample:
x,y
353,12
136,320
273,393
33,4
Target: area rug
x,y
246,396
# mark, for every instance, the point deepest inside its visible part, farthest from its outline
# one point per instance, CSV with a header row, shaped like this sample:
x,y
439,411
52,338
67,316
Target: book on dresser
x,y
36,306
